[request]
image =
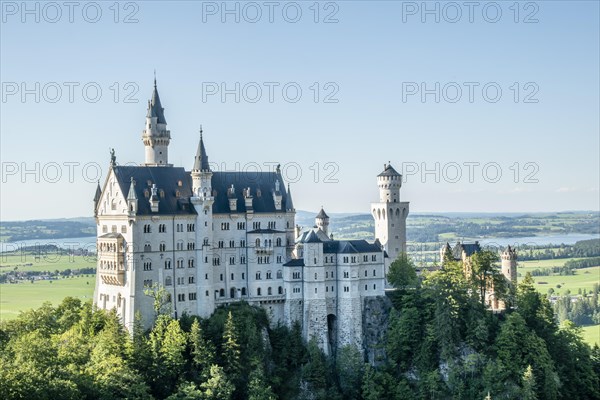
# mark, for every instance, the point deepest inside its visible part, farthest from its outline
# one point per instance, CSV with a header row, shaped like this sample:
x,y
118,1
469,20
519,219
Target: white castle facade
x,y
211,238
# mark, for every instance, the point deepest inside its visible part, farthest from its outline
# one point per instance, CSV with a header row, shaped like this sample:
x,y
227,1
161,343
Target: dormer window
x,y
146,193
162,194
179,183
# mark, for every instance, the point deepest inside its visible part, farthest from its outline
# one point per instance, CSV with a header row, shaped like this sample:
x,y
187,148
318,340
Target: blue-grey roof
x,y
155,109
201,158
266,231
167,182
322,214
468,248
297,262
350,246
389,171
261,186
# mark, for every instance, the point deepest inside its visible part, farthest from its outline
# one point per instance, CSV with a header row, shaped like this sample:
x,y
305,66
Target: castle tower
x,y
322,221
202,199
509,264
156,137
389,213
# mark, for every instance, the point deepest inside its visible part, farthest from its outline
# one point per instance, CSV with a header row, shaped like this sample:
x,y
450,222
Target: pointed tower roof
x,y
289,205
155,109
389,170
98,193
201,158
131,195
322,214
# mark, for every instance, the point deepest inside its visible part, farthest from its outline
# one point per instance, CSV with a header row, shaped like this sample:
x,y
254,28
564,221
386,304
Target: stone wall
x,y
375,321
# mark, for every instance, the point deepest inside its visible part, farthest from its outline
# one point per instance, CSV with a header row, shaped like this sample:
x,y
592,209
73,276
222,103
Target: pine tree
x,y
258,388
231,349
202,351
217,387
528,383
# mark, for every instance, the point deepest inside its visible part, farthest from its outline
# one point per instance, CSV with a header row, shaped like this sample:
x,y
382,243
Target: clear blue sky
x,y
372,56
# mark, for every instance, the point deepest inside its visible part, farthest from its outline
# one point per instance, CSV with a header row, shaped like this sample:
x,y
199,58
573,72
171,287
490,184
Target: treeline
x,y
441,343
584,311
15,275
581,249
13,231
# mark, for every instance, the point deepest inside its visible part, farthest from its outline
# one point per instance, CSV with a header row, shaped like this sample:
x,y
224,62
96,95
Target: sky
x,y
483,106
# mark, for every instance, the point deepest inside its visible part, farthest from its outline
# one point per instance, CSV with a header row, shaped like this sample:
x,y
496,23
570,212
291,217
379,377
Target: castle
x,y
210,238
463,252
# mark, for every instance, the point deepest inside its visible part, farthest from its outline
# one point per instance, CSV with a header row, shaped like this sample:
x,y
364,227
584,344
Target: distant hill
x,y
421,227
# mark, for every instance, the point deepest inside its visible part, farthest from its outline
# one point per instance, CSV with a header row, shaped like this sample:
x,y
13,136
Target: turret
x,y
509,264
132,200
389,182
322,221
156,137
201,173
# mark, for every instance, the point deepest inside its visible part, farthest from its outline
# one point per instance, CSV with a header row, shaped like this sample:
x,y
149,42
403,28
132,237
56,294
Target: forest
x,y
441,343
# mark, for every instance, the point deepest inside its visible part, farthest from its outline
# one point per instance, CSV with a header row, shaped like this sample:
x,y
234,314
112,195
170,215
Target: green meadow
x,y
591,334
49,262
16,297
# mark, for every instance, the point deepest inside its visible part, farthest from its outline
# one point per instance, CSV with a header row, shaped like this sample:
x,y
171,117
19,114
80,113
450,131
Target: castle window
x,y
221,244
191,263
269,275
232,243
147,282
279,274
374,273
280,290
221,277
374,286
113,205
326,288
279,259
365,287
256,225
346,274
315,261
146,193
353,259
192,296
162,247
168,264
216,261
243,291
180,280
207,294
278,242
162,194
243,260
242,243
168,281
113,229
231,260
258,292
374,258
181,297
104,229
191,279
269,291
332,288
179,183
147,247
272,225
148,266
345,259
365,273
241,226
206,276
258,276
224,226
232,277
365,258
257,242
316,275
315,290
222,293
123,228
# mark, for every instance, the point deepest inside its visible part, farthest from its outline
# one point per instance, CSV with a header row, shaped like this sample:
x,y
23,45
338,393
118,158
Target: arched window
x,y
243,291
258,293
279,274
168,281
269,291
257,242
280,290
278,242
222,292
232,293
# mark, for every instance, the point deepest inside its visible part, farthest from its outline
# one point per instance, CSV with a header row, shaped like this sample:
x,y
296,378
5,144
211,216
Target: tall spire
x,y
201,158
289,205
131,195
155,109
98,193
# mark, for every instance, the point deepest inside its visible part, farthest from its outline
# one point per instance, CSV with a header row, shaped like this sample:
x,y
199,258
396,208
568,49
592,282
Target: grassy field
x,y
583,279
23,296
591,334
50,262
525,266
